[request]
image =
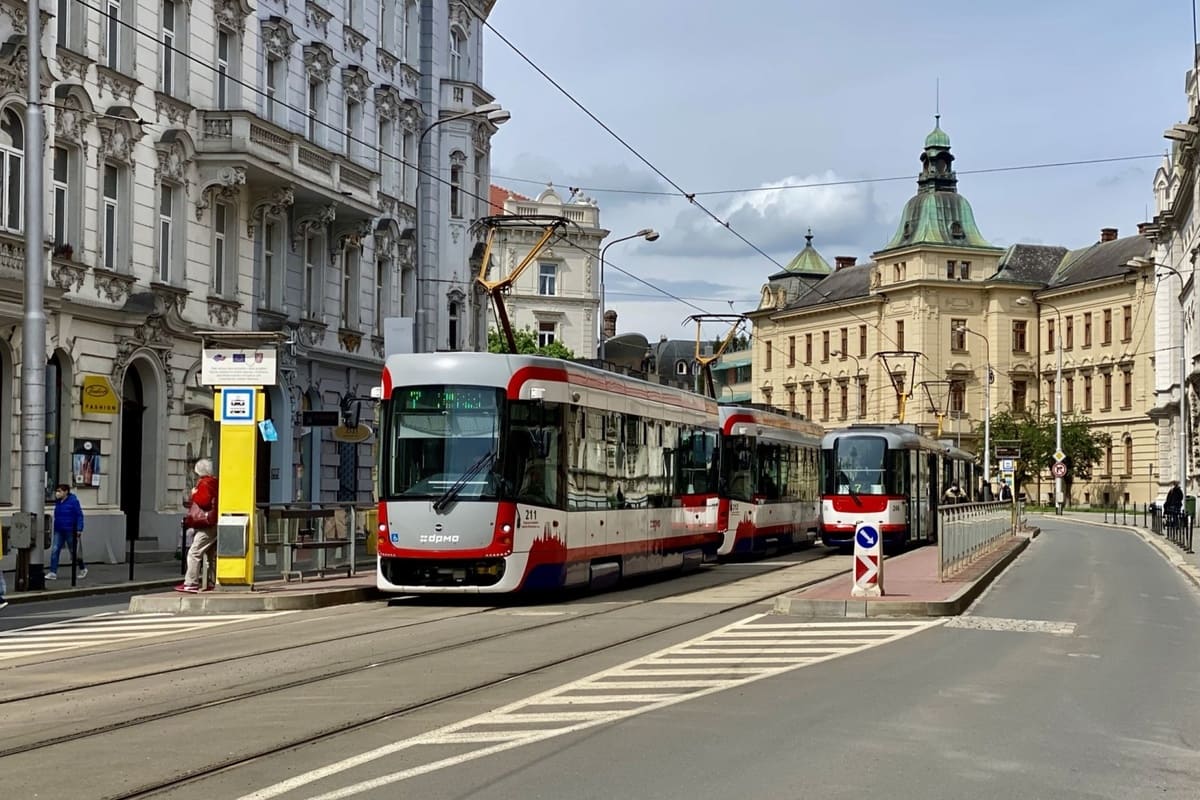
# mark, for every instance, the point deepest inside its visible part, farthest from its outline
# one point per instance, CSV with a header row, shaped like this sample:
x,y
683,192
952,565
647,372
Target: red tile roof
x,y
498,194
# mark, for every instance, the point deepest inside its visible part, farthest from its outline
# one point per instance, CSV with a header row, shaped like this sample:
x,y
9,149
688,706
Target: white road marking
x,y
106,629
780,648
1014,625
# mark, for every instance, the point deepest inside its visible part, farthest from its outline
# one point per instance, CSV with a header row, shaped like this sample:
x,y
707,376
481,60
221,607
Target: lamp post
x,y
1059,499
987,411
494,114
650,235
1183,476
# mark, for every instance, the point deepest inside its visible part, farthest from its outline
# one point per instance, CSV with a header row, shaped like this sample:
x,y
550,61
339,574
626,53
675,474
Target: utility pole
x,y
33,331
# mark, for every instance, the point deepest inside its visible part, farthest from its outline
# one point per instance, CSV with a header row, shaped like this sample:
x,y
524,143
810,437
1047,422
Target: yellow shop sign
x,y
98,395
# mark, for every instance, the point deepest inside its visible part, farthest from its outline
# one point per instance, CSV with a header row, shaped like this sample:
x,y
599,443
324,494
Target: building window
x,y
1087,329
808,402
808,348
1128,456
168,49
350,288
1126,389
791,351
1106,333
1127,324
898,386
456,56
452,326
223,223
824,346
381,294
681,367
1050,404
111,245
825,401
1107,392
950,269
385,24
958,334
353,125
1049,336
791,399
900,334
1019,391
315,103
456,174
354,14
844,392
1069,400
12,156
112,34
845,342
862,341
386,152
1087,393
275,79
548,279
1020,329
964,270
312,276
68,24
270,263
895,273
767,359
223,68
66,197
958,397
406,29
167,202
1069,333
406,155
862,399
1108,459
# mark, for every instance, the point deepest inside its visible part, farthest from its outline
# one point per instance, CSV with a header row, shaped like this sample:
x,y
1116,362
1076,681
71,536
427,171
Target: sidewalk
x,y
101,579
911,584
274,595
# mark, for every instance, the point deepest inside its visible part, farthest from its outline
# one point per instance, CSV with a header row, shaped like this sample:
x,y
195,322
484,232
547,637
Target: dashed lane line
x,y
746,651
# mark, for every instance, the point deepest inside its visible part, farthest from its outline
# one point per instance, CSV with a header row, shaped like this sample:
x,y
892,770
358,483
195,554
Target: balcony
x,y
243,136
459,97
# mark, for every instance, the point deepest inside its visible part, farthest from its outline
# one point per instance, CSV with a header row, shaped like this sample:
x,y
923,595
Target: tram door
x,y
934,495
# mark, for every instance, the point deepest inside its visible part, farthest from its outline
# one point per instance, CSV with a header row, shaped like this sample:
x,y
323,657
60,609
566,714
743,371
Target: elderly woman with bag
x,y
202,517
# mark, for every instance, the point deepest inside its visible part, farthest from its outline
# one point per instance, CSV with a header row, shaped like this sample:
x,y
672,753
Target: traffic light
x,y
350,410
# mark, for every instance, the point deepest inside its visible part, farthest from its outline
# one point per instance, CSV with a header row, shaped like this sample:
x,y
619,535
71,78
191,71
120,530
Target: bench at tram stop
x,y
302,533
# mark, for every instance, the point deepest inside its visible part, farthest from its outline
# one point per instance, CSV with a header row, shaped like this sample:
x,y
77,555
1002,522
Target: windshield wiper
x,y
473,470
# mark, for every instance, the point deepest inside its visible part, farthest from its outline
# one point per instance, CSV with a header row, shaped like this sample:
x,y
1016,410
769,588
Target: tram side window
x,y
696,463
770,466
533,468
737,467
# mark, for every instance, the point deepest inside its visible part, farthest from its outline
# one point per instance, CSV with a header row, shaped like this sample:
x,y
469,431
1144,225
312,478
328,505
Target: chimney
x,y
609,329
842,262
1108,234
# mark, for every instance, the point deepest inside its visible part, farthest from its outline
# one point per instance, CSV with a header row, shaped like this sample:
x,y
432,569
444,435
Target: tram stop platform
x,y
911,586
276,595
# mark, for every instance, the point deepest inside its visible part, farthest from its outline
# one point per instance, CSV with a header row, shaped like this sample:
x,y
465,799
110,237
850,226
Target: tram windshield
x,y
863,465
435,438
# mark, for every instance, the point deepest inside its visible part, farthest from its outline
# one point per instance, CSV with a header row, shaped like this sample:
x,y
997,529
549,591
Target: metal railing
x,y
295,539
1174,526
966,531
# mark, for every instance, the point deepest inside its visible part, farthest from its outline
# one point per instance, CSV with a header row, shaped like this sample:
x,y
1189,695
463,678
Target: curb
x,y
20,598
242,602
859,609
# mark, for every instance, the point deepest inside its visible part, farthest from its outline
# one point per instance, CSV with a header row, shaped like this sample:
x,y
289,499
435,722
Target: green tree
x,y
527,345
1035,432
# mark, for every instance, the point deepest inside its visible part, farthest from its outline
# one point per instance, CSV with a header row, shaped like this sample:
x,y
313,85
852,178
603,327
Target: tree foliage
x,y
527,345
1083,446
739,343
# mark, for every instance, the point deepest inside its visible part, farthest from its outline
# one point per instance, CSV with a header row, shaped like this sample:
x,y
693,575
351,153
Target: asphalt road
x,y
22,615
1078,681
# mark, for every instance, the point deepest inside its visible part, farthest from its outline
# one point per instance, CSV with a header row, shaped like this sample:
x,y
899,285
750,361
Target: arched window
x,y
681,367
12,153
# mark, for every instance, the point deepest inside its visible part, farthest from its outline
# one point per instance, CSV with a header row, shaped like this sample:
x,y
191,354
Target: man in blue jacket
x,y
68,521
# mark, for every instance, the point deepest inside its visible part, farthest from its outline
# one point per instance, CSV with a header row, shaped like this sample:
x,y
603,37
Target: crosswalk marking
x,y
712,663
107,629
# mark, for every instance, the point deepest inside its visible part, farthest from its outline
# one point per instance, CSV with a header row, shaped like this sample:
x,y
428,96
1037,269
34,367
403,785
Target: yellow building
x,y
912,334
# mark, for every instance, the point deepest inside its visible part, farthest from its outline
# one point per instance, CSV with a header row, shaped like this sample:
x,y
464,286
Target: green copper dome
x,y
808,260
937,214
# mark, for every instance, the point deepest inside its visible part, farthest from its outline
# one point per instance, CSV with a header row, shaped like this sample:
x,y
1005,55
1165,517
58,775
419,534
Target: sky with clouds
x,y
772,93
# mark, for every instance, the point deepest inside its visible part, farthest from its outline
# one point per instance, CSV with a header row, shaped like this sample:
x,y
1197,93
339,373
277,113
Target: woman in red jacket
x,y
203,502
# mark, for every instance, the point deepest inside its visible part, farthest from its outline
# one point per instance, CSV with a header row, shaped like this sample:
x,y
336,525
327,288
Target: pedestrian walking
x,y
1173,507
202,516
68,524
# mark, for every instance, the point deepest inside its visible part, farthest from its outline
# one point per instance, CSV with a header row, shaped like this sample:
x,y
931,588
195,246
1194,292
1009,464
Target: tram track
x,y
366,663
151,790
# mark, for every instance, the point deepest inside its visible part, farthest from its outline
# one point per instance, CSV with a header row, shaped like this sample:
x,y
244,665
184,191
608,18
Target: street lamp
x,y
987,411
1183,476
494,114
650,235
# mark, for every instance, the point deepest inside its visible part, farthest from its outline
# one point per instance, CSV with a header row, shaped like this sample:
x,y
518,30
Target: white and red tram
x,y
891,477
770,480
500,473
